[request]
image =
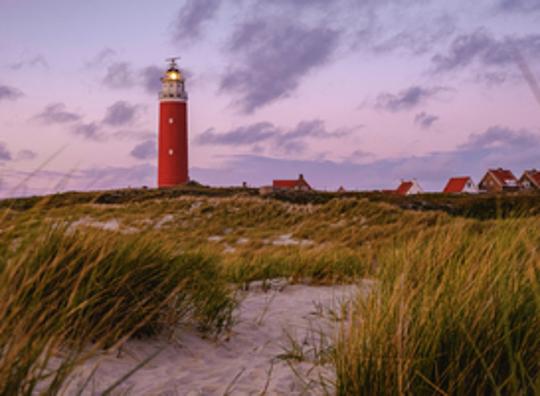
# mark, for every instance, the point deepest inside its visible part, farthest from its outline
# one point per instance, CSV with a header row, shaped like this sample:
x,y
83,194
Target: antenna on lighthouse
x,y
172,62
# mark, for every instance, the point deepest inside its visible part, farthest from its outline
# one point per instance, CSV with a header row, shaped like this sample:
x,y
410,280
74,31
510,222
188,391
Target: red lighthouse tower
x,y
173,141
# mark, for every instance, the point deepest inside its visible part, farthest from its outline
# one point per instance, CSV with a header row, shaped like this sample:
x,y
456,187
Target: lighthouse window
x,y
171,152
171,120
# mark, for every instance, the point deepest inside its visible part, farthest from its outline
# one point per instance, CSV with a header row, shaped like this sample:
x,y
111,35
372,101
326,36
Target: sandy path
x,y
243,365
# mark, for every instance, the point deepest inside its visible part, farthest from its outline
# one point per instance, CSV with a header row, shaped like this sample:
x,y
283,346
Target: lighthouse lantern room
x,y
173,140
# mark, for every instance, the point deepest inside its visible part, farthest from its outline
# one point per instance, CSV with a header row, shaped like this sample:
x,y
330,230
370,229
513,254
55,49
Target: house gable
x,y
499,180
530,179
409,187
460,185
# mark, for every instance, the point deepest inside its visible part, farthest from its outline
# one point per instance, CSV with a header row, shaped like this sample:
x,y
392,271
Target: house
x,y
299,184
497,180
458,185
530,180
409,187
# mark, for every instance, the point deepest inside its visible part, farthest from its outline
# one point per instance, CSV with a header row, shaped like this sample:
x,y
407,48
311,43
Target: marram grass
x,y
64,294
455,311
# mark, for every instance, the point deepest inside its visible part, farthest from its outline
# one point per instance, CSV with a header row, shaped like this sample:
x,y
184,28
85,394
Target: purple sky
x,y
347,92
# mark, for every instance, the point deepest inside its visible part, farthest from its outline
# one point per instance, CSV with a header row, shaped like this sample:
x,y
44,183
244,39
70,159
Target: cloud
x,y
192,17
519,5
482,48
5,154
26,155
502,139
294,140
495,147
406,99
359,156
151,76
249,134
425,120
119,75
9,93
288,141
417,38
102,57
134,134
122,75
116,123
56,113
120,113
145,150
270,58
38,60
91,131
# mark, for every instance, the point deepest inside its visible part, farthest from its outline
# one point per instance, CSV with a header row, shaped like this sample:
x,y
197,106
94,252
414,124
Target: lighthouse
x,y
173,140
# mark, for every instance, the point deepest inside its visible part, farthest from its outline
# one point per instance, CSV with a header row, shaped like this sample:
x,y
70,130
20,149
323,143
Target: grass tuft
x,y
455,311
64,294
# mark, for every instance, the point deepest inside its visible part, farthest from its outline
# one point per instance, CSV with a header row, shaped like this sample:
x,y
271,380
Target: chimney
x,y
301,177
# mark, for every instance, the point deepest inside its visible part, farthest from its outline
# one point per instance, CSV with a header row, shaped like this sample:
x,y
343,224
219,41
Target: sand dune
x,y
246,363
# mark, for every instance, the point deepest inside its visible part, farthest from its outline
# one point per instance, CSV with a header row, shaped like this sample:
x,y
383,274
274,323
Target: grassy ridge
x,y
253,238
479,206
456,311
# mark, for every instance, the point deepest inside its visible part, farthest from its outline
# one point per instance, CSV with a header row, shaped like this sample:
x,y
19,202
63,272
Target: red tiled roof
x,y
536,177
291,184
286,183
504,176
404,188
456,184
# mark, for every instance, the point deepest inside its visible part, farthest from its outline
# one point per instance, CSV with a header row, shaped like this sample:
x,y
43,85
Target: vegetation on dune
x,y
455,311
92,290
479,206
254,238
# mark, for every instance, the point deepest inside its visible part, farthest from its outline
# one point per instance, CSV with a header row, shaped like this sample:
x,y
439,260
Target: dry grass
x,y
65,295
456,311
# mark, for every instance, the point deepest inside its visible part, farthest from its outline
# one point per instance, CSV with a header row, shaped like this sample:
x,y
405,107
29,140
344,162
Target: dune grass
x,y
66,294
455,311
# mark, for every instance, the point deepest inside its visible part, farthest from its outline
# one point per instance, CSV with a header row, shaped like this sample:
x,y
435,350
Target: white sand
x,y
244,364
287,240
109,225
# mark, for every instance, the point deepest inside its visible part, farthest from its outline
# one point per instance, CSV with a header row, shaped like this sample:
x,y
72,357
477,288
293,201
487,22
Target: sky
x,y
353,93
